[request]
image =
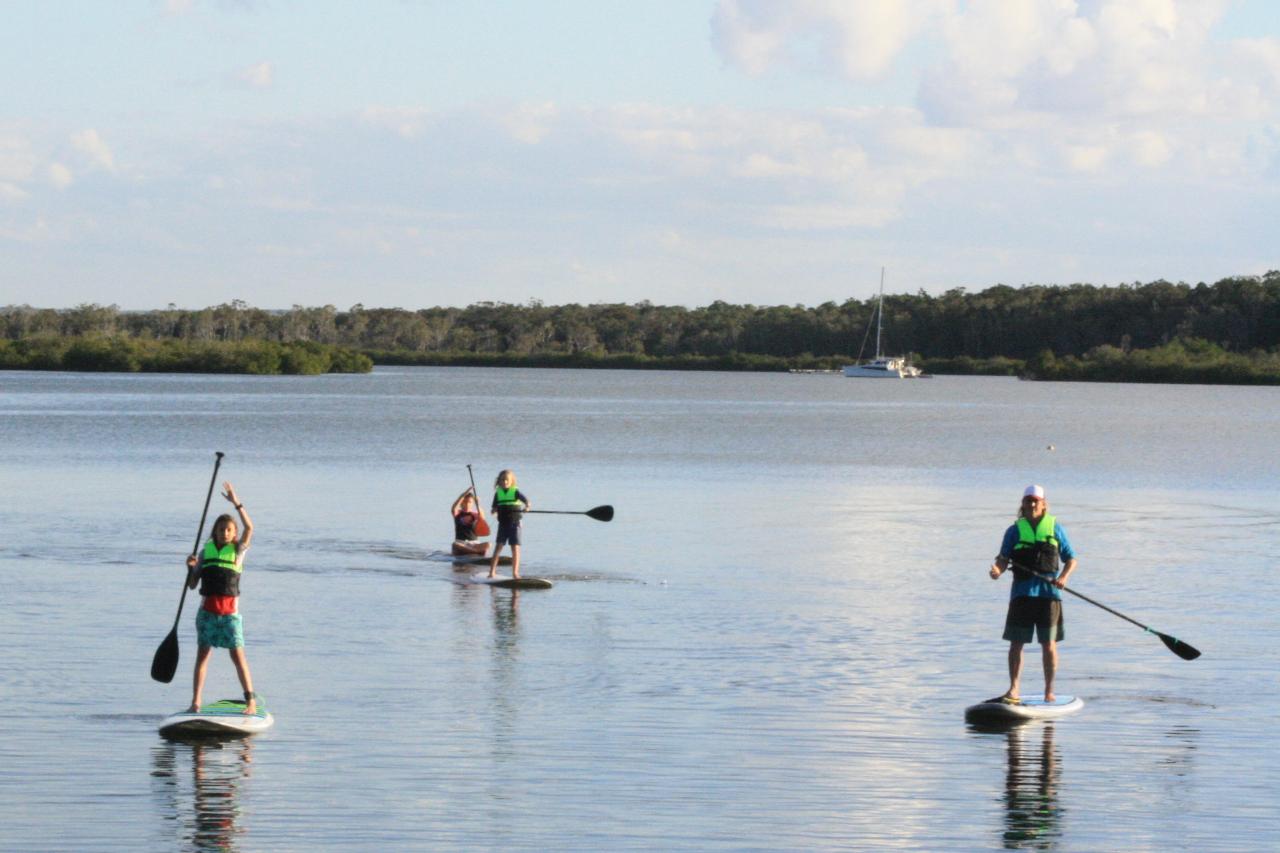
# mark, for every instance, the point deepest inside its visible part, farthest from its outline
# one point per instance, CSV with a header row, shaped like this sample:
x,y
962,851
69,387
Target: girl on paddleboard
x,y
509,503
467,516
218,622
1034,543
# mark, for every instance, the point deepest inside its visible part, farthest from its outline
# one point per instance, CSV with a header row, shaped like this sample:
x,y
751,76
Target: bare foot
x,y
1049,698
251,707
194,709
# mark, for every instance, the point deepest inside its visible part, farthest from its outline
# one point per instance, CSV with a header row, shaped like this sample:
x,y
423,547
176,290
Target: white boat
x,y
882,366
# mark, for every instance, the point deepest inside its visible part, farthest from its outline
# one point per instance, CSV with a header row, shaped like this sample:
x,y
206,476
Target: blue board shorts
x,y
221,632
1032,616
508,534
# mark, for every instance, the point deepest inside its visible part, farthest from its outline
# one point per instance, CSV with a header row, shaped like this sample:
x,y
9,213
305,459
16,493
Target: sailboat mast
x,y
880,312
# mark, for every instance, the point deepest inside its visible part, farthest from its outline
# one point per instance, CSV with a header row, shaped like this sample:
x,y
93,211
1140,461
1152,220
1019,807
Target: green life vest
x,y
509,507
1037,548
219,573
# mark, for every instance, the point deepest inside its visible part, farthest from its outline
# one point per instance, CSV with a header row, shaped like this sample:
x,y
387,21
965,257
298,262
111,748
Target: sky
x,y
415,153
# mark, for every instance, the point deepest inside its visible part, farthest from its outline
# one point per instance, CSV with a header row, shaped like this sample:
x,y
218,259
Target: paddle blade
x,y
482,528
1179,648
165,663
601,513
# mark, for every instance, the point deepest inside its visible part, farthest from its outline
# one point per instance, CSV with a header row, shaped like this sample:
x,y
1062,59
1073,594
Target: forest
x,y
1228,331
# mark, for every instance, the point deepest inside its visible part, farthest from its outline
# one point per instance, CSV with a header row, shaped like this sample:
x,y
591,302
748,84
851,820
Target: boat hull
x,y
882,368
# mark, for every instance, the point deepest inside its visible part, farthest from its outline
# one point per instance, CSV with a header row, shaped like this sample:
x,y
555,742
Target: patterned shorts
x,y
222,632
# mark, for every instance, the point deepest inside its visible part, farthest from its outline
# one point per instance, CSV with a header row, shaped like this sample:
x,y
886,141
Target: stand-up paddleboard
x,y
512,583
477,560
1000,710
225,717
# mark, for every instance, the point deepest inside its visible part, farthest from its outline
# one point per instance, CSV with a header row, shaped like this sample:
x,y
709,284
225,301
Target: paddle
x,y
1178,647
600,513
482,526
165,663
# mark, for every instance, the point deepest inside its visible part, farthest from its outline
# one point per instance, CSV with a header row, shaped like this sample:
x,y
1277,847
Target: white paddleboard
x,y
226,716
512,583
1000,711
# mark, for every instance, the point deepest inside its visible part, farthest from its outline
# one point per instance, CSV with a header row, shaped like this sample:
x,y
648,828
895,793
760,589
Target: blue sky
x,y
412,154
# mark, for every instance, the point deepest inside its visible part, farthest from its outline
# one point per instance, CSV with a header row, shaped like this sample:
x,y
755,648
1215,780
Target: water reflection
x,y
207,813
1032,816
505,606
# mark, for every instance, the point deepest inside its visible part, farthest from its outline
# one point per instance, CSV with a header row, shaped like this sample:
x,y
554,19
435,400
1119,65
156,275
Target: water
x,y
770,647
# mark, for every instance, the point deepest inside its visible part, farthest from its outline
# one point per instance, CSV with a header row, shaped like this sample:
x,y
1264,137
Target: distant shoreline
x,y
119,354
1194,362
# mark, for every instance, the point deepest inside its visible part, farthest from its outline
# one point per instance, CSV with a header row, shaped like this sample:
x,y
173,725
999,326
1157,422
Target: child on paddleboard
x,y
509,503
218,622
467,516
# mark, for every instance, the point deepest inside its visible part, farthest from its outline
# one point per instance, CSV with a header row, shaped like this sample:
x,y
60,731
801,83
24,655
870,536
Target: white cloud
x,y
18,160
260,75
1104,83
89,143
530,123
1150,148
60,176
1086,158
406,122
862,39
12,193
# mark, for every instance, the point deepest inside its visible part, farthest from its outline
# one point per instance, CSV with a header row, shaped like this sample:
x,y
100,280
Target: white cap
x,y
1034,492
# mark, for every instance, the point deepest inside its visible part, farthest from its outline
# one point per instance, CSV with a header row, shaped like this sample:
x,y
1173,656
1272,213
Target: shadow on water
x,y
198,783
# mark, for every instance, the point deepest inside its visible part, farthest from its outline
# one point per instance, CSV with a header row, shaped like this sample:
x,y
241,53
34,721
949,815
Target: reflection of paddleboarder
x,y
468,518
218,621
1032,815
1035,541
510,504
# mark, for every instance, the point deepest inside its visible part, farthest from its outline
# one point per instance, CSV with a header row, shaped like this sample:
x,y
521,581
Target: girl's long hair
x,y
221,520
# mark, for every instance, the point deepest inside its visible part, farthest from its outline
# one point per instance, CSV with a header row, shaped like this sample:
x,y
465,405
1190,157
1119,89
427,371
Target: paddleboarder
x,y
467,518
1036,541
509,503
218,622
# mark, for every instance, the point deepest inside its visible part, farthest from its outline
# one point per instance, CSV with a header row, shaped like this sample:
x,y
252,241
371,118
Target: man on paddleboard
x,y
1034,543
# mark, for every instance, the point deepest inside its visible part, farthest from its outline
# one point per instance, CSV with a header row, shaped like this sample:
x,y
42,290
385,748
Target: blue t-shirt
x,y
1030,587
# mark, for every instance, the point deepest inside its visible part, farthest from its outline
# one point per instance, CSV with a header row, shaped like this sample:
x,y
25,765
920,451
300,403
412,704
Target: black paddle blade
x,y
1179,648
165,663
601,513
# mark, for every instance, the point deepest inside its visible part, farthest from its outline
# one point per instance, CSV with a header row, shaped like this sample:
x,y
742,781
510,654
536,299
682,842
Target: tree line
x,y
999,329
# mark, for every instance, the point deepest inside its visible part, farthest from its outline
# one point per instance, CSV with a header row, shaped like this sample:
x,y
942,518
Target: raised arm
x,y
246,523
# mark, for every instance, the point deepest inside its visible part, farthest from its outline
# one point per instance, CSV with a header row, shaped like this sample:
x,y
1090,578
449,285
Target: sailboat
x,y
883,366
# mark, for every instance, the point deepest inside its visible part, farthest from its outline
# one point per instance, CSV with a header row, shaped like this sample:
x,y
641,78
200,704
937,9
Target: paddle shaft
x,y
1168,640
165,661
482,526
195,549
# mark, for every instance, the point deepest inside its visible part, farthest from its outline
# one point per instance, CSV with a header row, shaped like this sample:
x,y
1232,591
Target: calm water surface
x,y
770,647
